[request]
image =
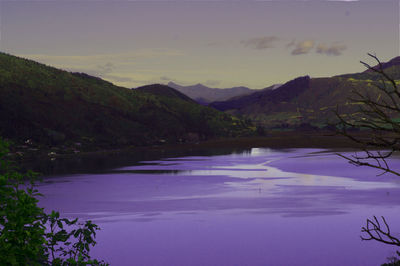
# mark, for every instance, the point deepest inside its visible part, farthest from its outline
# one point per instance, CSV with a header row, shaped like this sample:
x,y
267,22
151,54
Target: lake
x,y
252,207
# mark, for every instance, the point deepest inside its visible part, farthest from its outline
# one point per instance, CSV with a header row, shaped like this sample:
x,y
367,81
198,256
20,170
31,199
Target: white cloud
x,y
334,49
260,43
303,47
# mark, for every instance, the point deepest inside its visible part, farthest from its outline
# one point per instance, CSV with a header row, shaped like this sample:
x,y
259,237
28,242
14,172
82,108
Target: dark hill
x,y
266,98
392,68
307,100
163,90
385,65
53,106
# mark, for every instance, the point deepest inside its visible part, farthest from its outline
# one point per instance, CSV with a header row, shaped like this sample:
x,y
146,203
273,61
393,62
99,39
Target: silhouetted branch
x,y
380,163
375,231
376,115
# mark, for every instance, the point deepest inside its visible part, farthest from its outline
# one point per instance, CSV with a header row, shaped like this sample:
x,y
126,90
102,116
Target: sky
x,y
217,43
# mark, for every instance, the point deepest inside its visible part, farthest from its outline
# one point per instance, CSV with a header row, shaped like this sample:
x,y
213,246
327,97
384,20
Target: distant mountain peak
x,y
172,84
200,86
204,95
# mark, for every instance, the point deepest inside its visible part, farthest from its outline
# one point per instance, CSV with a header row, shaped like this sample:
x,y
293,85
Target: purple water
x,y
264,207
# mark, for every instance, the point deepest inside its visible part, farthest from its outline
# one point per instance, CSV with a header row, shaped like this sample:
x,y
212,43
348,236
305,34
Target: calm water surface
x,y
257,207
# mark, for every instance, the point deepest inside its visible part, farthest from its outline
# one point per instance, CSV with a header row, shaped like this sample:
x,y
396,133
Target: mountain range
x,y
205,95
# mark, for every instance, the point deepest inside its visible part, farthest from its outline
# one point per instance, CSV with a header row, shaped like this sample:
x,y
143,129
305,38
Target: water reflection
x,y
101,162
249,180
253,192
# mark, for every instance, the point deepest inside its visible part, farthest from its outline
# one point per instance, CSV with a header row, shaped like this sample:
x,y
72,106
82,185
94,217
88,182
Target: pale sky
x,y
217,43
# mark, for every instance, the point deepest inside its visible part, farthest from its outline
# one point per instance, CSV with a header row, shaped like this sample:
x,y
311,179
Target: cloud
x,y
334,49
303,47
260,43
114,67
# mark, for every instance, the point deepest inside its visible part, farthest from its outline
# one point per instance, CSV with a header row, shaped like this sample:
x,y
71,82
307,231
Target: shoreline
x,y
47,162
274,140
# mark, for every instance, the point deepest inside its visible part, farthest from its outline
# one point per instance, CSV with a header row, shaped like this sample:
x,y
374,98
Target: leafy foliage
x,y
29,236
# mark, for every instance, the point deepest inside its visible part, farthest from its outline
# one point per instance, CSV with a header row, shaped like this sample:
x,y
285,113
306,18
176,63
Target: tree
x,y
378,117
28,235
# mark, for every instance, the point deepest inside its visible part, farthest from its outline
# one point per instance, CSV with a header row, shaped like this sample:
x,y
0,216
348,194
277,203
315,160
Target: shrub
x,y
28,235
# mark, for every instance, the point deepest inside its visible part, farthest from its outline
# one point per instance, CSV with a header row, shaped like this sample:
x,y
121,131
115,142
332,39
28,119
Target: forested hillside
x,y
53,106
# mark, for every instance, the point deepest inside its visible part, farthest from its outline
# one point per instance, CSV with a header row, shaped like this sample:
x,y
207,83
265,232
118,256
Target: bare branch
x,y
374,231
376,112
360,162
